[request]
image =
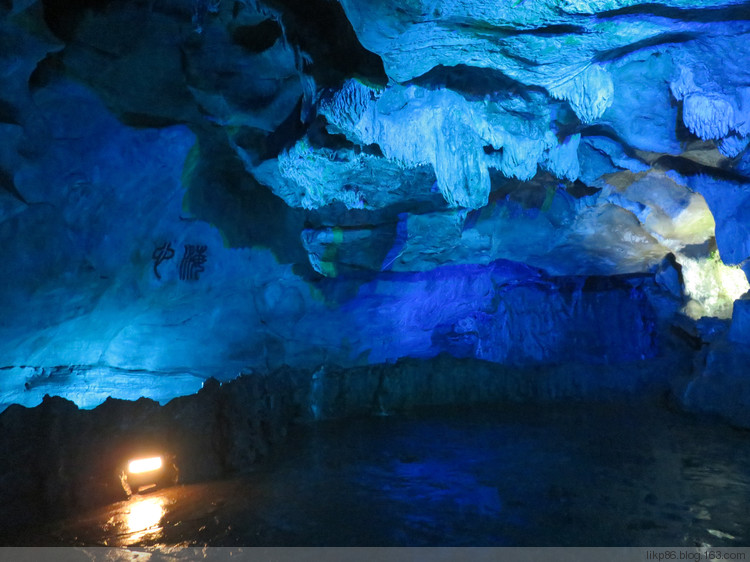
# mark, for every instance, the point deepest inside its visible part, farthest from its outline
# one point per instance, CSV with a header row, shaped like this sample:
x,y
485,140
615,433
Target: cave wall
x,y
193,188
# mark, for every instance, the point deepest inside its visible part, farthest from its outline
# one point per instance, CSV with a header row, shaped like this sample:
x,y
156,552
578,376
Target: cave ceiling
x,y
355,140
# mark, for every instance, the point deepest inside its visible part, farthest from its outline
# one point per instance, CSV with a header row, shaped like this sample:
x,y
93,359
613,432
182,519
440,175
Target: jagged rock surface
x,y
191,188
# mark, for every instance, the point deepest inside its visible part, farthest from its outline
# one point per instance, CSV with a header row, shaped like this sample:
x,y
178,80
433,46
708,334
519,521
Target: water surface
x,y
519,475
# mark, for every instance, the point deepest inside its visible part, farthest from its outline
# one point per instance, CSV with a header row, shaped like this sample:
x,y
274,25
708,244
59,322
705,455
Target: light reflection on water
x,y
558,475
144,518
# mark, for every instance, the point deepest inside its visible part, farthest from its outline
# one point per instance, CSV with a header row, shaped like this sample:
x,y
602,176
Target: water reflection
x,y
558,475
144,518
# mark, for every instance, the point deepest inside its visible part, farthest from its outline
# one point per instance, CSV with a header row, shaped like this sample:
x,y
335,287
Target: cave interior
x,y
274,216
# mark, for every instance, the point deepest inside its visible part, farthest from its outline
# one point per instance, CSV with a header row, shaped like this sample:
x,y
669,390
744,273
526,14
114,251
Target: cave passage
x,y
523,475
358,272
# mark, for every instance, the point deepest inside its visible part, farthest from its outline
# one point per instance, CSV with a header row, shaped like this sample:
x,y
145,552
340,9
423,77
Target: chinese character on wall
x,y
191,265
192,262
162,253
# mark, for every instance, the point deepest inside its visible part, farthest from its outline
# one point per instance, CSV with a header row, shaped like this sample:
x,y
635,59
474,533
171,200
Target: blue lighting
x,y
527,184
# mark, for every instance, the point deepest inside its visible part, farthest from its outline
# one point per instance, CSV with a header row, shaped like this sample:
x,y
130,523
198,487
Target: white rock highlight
x,y
589,92
416,127
708,116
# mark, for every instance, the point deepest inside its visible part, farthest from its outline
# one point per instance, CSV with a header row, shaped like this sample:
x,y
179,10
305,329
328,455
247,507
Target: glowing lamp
x,y
138,466
149,472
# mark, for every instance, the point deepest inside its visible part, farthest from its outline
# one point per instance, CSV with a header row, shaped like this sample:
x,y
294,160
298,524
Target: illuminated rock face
x,y
194,188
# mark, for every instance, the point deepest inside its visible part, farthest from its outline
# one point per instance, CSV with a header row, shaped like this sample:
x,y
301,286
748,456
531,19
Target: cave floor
x,y
520,475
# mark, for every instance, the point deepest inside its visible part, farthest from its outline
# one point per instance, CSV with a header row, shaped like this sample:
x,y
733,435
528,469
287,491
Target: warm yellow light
x,y
712,286
144,465
144,518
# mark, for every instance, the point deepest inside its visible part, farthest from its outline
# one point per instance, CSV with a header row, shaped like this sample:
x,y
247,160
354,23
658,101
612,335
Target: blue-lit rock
x,y
313,177
531,184
715,101
458,138
549,44
643,113
565,228
502,314
602,155
728,201
721,389
83,288
740,330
